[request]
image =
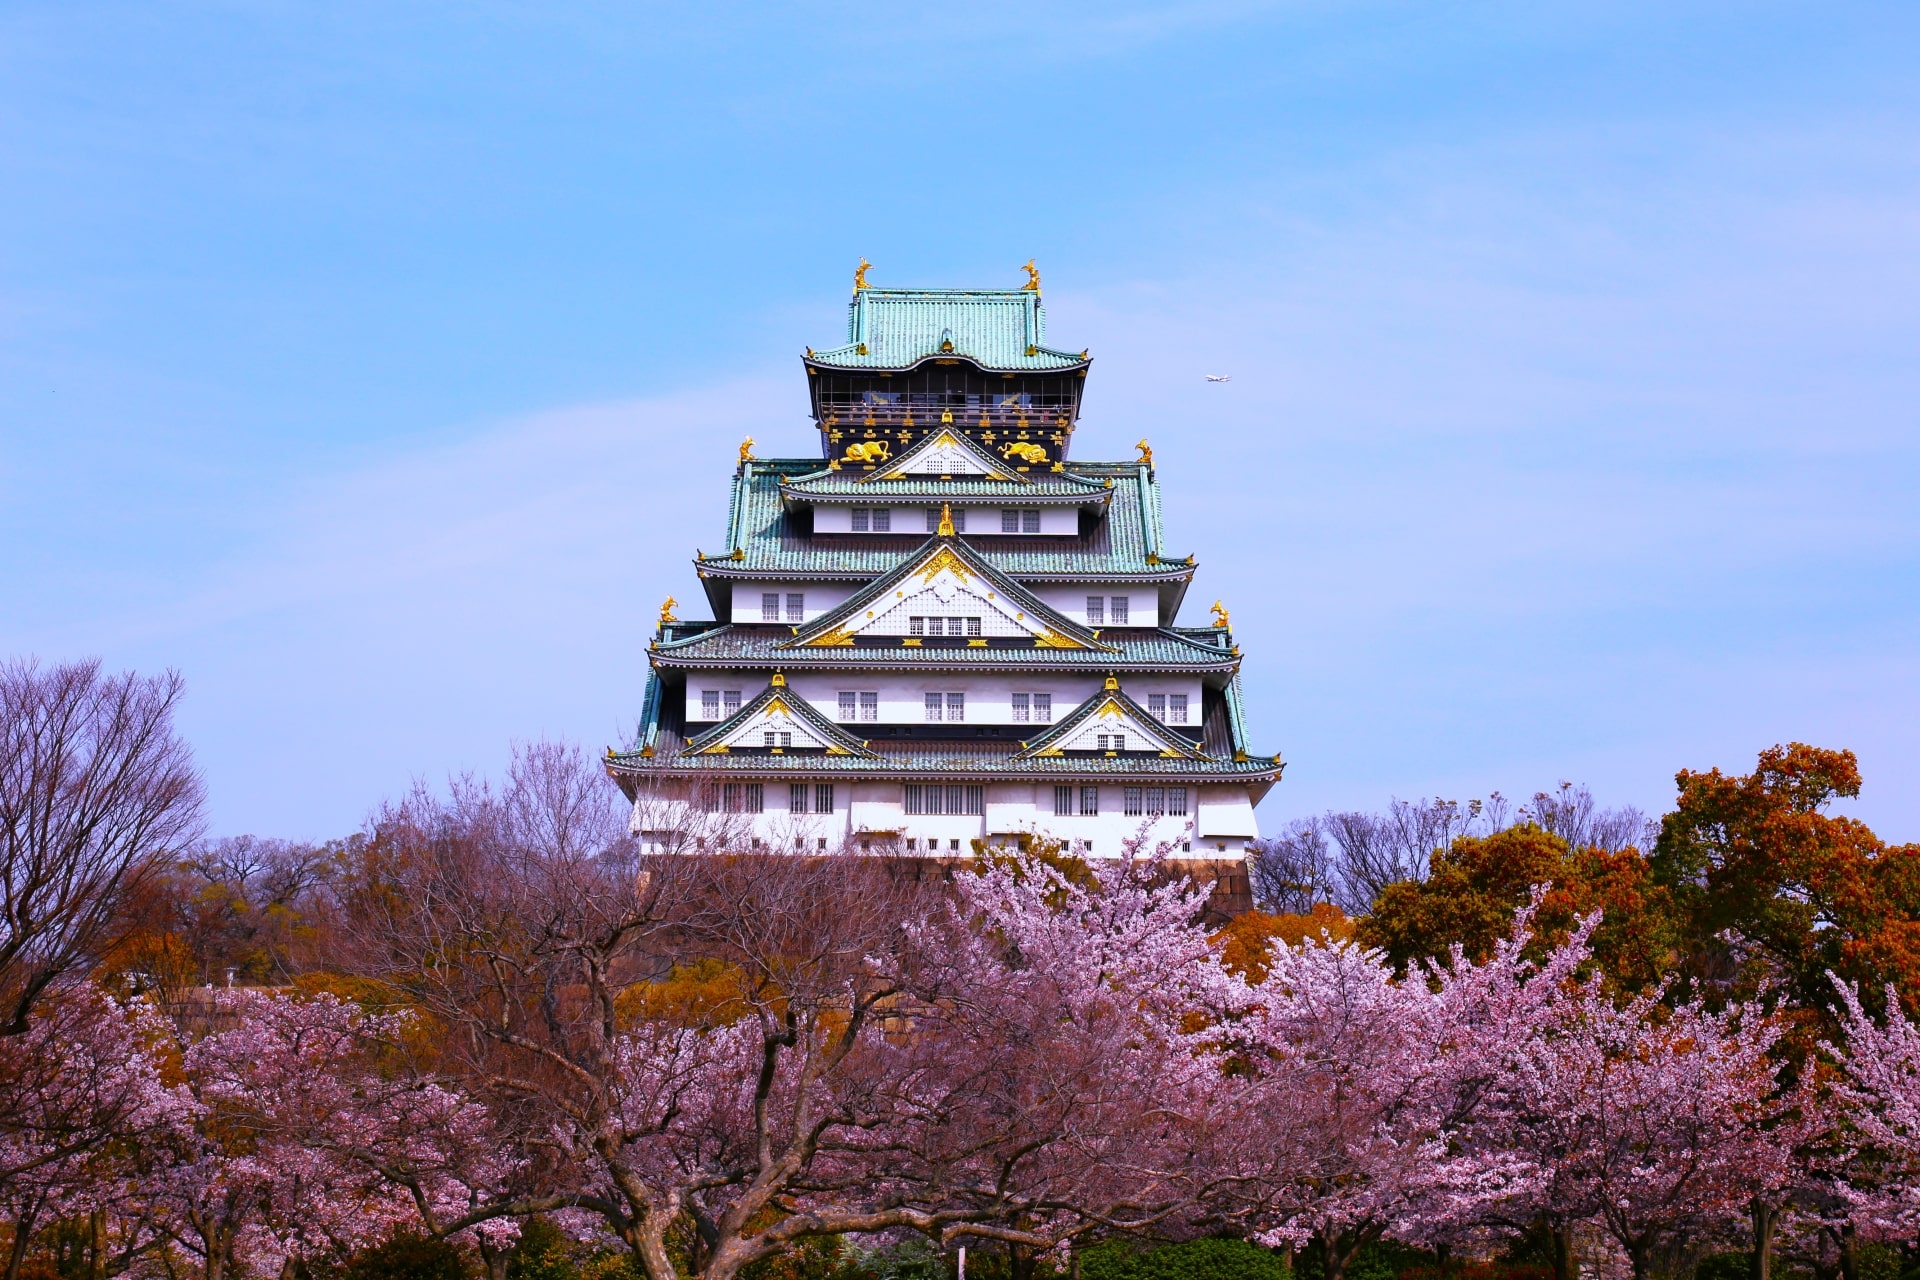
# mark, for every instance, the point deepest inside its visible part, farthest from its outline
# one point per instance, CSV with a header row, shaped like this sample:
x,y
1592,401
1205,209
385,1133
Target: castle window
x,y
1134,803
973,626
730,701
1156,802
957,515
1117,611
1020,708
1177,801
936,626
797,798
743,797
1176,708
860,518
1043,708
917,626
1096,611
1029,522
849,704
1157,706
796,607
1112,742
775,738
883,521
935,701
934,799
1089,801
823,800
870,706
1063,802
709,704
1009,522
770,606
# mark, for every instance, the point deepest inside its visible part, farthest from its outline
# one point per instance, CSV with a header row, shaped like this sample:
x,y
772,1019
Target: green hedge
x,y
1194,1260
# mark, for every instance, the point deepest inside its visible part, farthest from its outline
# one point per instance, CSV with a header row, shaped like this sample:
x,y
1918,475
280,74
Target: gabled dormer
x,y
947,455
945,596
1110,724
778,724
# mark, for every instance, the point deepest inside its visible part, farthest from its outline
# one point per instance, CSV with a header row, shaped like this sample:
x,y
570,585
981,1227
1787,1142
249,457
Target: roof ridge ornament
x,y
1033,278
1219,614
946,520
1146,454
666,611
746,450
860,277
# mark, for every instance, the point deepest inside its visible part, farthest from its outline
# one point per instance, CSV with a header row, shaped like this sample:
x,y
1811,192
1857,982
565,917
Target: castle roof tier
x,y
943,628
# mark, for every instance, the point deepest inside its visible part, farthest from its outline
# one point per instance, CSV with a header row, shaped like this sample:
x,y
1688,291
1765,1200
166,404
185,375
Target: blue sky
x,y
380,366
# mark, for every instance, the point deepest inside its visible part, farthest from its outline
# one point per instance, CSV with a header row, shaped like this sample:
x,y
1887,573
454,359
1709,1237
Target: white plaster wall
x,y
1143,603
903,696
1054,521
1012,808
1227,811
820,598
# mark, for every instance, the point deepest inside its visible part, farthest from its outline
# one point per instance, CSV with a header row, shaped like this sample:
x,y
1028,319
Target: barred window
x,y
1156,802
1020,706
709,704
710,797
1177,801
849,704
932,799
770,606
730,701
936,626
1089,801
1063,802
870,706
860,519
1157,706
776,738
797,797
917,626
796,607
883,521
1009,522
1112,742
1096,611
1043,708
1132,805
957,514
956,706
973,626
742,797
1029,522
1176,708
935,701
1117,611
823,798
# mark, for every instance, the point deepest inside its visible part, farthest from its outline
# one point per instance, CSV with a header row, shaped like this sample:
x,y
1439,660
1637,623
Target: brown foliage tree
x,y
95,791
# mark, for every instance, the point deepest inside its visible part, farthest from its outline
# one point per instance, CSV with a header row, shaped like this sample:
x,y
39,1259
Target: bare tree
x,y
95,790
1294,870
1571,813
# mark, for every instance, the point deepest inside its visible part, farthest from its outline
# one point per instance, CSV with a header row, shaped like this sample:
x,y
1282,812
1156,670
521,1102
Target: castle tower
x,y
945,632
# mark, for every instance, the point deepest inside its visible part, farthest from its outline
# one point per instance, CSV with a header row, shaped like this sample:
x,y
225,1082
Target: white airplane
x,y
1219,377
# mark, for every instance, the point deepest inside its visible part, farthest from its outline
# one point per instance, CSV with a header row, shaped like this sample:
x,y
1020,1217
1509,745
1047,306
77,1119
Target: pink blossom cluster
x,y
1035,1060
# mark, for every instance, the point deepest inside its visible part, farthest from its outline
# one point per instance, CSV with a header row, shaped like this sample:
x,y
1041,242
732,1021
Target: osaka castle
x,y
945,632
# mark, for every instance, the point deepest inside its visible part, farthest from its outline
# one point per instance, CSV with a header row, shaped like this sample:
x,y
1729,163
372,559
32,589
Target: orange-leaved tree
x,y
1775,888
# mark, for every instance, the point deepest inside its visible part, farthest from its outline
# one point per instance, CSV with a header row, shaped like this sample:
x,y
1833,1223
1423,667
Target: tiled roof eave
x,y
749,568
848,357
944,491
1252,769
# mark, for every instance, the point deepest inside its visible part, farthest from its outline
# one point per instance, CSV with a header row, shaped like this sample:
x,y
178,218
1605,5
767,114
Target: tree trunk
x,y
1566,1263
23,1226
1640,1253
494,1257
1849,1253
96,1245
1337,1250
1765,1218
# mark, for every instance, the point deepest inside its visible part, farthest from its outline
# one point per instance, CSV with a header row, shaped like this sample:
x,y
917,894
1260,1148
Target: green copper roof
x,y
759,526
999,329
